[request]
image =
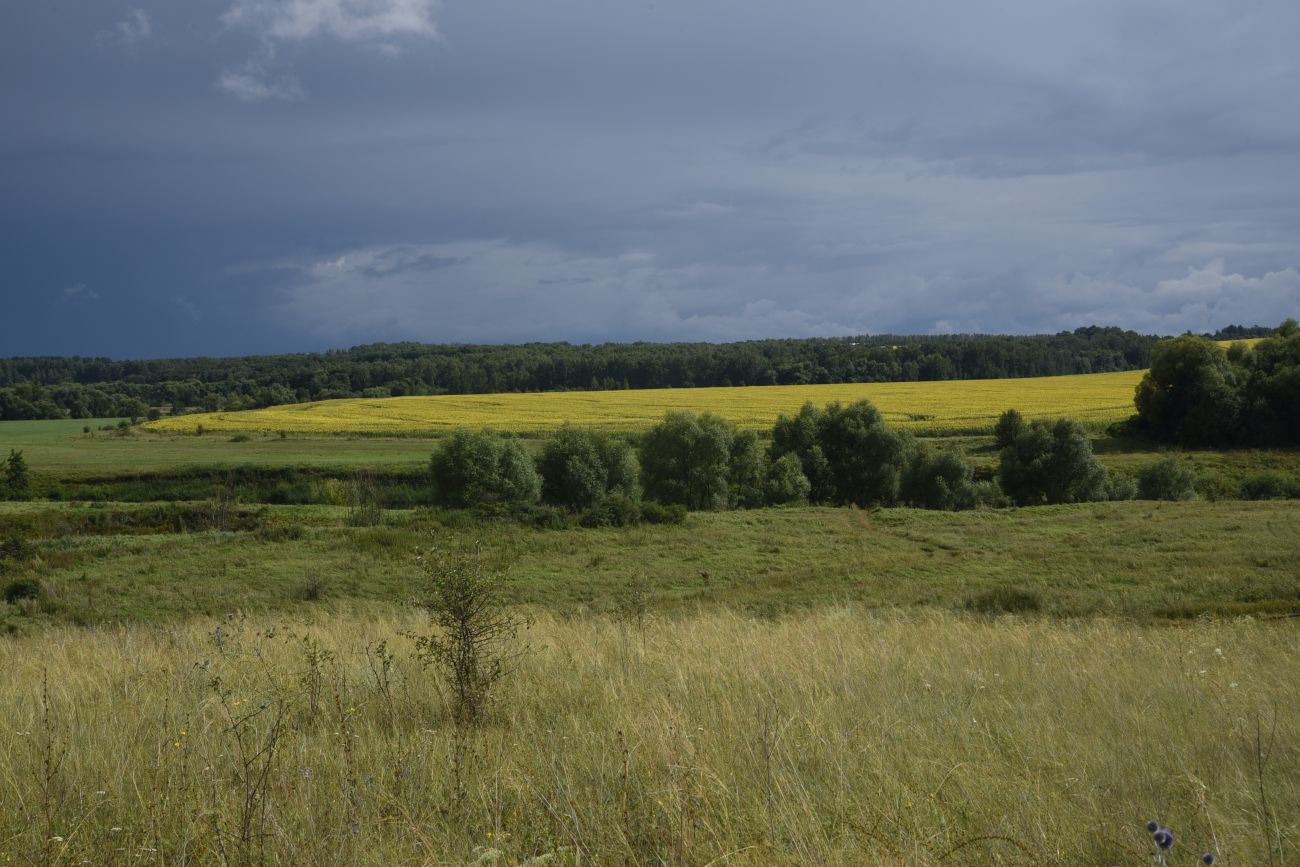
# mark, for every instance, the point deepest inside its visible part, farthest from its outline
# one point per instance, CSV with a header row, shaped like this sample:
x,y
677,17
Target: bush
x,y
22,588
1051,462
16,483
615,510
473,639
988,495
1006,600
17,549
657,513
939,480
1269,485
1121,486
474,468
1167,479
786,484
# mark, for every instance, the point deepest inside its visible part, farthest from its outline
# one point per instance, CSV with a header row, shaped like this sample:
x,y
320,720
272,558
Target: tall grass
x,y
835,736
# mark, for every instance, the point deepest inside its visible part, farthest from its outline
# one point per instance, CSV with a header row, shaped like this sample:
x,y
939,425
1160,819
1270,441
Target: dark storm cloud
x,y
234,175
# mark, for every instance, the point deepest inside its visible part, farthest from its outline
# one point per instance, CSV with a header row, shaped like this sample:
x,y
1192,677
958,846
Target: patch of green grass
x,y
1137,559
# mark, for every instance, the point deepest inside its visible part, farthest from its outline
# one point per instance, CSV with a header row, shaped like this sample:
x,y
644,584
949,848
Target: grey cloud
x,y
264,76
131,30
503,170
79,291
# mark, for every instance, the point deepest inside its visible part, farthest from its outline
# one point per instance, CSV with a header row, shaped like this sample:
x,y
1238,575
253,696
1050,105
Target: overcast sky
x,y
230,176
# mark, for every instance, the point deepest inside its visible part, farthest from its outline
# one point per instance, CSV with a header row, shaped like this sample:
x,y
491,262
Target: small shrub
x,y
1006,600
657,513
472,644
615,511
280,533
1167,479
1121,486
1269,485
240,438
22,588
989,495
313,588
15,548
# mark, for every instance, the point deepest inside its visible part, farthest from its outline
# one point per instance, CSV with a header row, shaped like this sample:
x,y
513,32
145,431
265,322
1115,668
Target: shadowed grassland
x,y
831,737
100,564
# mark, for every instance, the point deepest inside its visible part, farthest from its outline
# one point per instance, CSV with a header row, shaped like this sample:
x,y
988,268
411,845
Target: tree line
x,y
50,387
833,455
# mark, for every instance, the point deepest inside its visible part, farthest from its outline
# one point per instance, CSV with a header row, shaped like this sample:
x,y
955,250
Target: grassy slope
x,y
1136,558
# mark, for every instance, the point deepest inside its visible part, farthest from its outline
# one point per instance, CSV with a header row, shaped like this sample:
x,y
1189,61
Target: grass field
x,y
950,407
1131,559
831,737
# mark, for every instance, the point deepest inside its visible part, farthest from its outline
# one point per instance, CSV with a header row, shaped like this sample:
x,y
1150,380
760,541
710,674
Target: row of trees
x,y
840,454
1196,393
99,387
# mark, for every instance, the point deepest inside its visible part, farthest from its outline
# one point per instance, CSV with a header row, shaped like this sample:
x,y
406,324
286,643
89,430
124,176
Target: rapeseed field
x,y
934,408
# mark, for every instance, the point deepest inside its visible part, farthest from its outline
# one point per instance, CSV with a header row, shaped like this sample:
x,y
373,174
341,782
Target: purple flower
x,y
1152,827
1207,858
1164,838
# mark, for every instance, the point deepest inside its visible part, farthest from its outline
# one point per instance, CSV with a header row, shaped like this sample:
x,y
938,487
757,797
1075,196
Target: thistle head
x,y
1164,838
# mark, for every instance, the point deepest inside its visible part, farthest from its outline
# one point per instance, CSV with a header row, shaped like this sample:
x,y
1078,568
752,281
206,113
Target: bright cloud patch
x,y
374,22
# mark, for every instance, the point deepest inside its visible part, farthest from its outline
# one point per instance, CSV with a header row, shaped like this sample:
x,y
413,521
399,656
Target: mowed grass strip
x,y
949,407
830,737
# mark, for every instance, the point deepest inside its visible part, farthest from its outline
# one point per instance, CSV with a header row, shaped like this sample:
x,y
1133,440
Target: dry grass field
x,y
950,407
831,737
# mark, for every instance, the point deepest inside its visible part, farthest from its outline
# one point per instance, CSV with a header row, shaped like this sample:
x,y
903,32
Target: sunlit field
x,y
949,407
831,737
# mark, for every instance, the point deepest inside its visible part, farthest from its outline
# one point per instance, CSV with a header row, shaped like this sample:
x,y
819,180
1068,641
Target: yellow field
x,y
925,407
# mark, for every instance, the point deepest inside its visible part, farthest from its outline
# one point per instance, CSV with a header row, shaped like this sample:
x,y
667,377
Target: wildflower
x,y
1207,858
1164,838
1152,827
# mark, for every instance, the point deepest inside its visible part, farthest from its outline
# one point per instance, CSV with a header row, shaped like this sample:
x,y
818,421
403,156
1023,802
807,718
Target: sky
x,y
221,177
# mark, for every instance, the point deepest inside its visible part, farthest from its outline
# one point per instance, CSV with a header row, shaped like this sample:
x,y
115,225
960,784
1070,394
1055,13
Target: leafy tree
x,y
16,481
1271,394
478,467
747,472
1051,462
686,459
865,457
1190,395
580,468
786,483
939,480
800,436
1010,425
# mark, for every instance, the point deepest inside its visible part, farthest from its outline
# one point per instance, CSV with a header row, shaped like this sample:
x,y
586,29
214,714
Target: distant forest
x,y
55,387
